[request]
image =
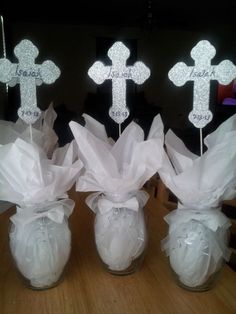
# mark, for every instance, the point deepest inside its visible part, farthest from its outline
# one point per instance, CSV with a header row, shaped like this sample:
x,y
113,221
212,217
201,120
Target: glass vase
x,y
197,254
40,248
121,235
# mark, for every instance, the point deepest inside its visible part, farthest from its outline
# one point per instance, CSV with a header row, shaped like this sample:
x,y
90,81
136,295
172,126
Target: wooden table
x,y
87,288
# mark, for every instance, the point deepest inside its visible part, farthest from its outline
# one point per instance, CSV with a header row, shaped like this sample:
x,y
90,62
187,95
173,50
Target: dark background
x,y
160,34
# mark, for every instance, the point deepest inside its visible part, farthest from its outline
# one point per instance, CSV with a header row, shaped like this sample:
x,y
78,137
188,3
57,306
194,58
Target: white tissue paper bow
x,y
42,131
40,237
104,205
198,231
118,171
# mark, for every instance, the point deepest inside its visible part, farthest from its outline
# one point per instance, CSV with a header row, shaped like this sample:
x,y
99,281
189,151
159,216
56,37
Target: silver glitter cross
x,y
28,75
202,73
119,73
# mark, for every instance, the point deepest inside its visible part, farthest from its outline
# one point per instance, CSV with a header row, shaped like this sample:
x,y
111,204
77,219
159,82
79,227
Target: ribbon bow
x,y
55,211
105,205
211,218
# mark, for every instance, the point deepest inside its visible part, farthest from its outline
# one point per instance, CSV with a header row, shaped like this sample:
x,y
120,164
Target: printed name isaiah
x,y
27,72
116,74
202,73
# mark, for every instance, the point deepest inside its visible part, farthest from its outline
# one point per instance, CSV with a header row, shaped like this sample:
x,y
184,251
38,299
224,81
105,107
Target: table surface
x,y
88,288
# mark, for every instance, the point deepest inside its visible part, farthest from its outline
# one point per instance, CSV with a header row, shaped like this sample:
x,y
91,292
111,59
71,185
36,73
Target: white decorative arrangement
x,y
117,171
112,169
35,176
39,237
197,244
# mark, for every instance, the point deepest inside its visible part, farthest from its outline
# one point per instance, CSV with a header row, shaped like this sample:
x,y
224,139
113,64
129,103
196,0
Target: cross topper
x,y
118,72
201,74
28,75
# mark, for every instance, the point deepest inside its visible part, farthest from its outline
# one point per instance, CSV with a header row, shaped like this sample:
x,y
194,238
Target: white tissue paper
x,y
198,230
117,171
42,131
39,237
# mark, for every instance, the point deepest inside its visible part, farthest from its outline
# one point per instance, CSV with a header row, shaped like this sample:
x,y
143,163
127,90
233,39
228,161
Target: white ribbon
x,y
211,218
100,201
105,205
55,211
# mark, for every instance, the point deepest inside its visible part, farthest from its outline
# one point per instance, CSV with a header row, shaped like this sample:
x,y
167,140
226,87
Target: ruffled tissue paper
x,y
41,132
117,171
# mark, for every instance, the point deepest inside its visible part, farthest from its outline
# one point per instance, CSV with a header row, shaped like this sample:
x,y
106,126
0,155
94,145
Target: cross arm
x,y
49,72
99,72
140,72
225,72
7,70
180,73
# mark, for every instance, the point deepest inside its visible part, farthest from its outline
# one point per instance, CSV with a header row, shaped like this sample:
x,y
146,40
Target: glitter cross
x,y
201,74
118,72
28,75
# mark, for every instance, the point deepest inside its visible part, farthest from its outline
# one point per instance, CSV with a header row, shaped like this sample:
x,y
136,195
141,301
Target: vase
x,y
40,245
198,248
120,232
